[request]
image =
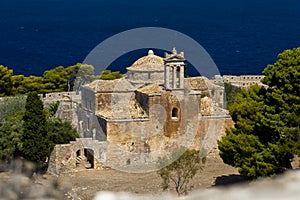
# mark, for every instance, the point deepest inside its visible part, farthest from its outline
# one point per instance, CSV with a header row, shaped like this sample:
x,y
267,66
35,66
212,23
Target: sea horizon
x,y
241,37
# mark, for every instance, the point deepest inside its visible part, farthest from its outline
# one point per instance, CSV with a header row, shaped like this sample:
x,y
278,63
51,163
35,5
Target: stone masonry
x,y
130,123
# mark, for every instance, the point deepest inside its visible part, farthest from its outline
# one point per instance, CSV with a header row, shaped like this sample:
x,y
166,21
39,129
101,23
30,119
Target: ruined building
x,y
130,123
242,81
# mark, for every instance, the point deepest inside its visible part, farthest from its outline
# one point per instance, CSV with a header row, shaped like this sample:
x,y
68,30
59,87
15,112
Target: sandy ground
x,y
84,184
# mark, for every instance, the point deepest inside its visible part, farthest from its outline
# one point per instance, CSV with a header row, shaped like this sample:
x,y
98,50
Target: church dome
x,y
148,63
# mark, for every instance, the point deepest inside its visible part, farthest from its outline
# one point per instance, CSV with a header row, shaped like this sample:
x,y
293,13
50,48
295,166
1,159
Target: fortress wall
x,y
244,81
59,96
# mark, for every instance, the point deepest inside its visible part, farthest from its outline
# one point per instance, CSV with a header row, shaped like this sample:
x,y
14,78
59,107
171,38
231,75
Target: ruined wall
x,y
134,142
59,96
68,157
244,81
68,104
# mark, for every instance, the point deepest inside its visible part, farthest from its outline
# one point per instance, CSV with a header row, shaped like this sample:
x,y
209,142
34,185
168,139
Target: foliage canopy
x,y
109,75
266,135
26,130
58,79
35,144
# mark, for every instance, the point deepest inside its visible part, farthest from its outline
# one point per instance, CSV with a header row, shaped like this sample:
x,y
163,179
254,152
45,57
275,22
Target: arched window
x,y
175,113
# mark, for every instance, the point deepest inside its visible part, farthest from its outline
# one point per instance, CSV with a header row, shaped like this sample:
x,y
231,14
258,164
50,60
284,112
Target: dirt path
x,y
86,183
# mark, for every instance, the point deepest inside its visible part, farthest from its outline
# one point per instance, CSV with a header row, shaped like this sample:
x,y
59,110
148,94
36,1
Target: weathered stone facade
x,y
133,121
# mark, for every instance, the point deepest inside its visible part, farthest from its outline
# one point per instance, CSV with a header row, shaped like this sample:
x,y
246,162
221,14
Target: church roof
x,y
117,85
196,83
151,89
148,63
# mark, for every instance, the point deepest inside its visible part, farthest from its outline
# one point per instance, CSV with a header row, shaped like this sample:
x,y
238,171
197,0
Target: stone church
x,y
130,123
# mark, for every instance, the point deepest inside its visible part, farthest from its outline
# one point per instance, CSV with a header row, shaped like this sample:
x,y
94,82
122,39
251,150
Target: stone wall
x,y
67,157
172,120
134,144
91,126
59,96
88,100
139,77
244,81
68,105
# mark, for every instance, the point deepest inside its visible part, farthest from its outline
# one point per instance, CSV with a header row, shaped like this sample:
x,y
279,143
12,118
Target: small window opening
x,y
178,72
175,113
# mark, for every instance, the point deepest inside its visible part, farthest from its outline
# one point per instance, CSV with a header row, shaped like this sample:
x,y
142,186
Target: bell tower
x,y
174,70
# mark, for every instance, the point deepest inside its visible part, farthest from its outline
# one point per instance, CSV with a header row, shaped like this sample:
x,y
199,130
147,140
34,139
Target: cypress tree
x,y
35,144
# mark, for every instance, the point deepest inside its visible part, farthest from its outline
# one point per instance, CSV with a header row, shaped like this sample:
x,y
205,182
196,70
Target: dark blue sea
x,y
242,36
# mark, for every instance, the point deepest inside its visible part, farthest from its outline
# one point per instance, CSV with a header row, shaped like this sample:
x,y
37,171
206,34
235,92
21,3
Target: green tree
x,y
72,73
11,107
52,109
231,92
5,81
11,130
11,126
109,75
85,73
60,132
186,163
266,133
32,84
55,80
18,87
35,143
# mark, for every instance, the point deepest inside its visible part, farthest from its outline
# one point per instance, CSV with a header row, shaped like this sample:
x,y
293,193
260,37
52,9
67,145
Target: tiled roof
x,y
150,62
116,85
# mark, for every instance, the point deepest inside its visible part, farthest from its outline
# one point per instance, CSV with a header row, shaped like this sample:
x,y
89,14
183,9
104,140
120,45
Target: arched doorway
x,y
85,158
89,154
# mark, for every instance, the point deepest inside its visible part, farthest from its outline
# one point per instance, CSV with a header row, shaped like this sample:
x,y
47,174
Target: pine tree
x,y
35,144
266,135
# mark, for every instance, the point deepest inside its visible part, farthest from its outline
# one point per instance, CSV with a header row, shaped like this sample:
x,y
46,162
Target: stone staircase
x,y
82,163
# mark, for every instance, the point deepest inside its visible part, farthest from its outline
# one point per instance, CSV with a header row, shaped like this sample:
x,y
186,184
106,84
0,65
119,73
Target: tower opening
x,y
175,113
